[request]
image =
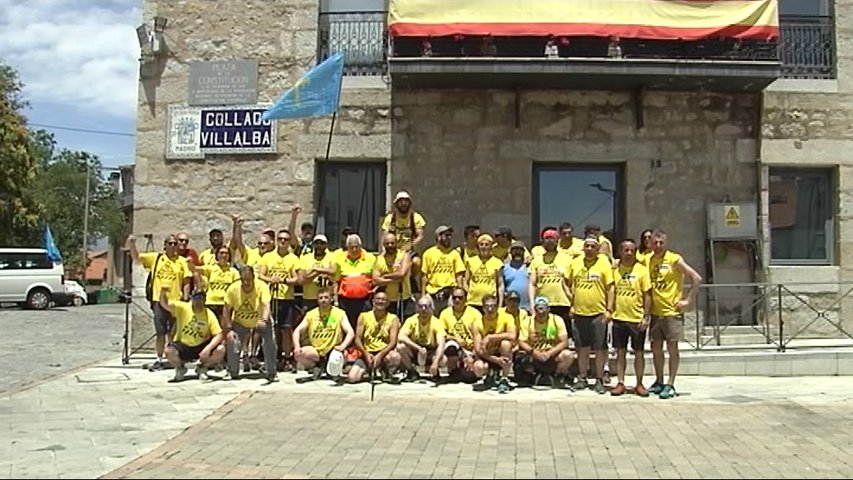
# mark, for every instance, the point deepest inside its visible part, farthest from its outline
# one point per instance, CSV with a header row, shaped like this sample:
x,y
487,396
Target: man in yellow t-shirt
x,y
442,268
503,241
279,269
197,336
483,273
218,277
407,226
247,308
327,329
591,288
316,270
166,268
493,339
667,270
543,348
421,340
376,339
514,310
460,322
391,272
568,244
355,278
631,315
208,255
548,277
469,248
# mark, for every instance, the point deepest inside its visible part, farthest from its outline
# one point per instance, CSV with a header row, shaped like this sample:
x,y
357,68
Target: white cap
x,y
335,364
321,238
402,194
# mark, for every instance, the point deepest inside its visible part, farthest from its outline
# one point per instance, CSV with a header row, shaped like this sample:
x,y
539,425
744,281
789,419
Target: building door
x,y
352,195
581,195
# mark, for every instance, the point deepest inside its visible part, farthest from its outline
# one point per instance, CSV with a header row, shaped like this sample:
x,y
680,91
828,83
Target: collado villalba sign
x,y
194,132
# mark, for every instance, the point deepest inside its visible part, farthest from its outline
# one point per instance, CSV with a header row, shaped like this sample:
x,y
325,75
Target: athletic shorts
x,y
624,331
163,319
524,362
590,332
670,329
284,313
188,354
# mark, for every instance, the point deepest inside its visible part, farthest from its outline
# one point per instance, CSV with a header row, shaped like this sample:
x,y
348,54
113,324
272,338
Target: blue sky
x,y
78,61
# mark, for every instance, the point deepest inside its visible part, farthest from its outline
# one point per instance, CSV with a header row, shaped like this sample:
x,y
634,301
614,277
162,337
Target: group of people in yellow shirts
x,y
482,310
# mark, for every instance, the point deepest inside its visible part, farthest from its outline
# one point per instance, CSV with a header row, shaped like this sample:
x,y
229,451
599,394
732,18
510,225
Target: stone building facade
x,y
482,154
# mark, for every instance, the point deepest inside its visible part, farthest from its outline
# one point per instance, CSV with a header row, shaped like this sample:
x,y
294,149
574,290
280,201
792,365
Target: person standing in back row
x,y
407,226
667,270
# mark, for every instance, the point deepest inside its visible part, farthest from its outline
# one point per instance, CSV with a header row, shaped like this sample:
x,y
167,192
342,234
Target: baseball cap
x,y
517,244
401,195
442,229
503,230
321,238
335,364
512,295
197,295
541,302
451,348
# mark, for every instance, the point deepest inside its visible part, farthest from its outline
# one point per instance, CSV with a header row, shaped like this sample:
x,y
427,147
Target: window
x,y
801,216
580,195
351,195
806,39
24,261
356,28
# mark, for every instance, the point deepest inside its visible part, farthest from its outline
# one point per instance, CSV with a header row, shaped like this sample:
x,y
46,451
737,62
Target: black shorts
x,y
188,354
524,362
284,313
565,313
163,319
623,331
590,332
217,310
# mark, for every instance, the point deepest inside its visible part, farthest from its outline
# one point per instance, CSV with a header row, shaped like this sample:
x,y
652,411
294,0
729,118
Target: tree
x,y
19,211
61,186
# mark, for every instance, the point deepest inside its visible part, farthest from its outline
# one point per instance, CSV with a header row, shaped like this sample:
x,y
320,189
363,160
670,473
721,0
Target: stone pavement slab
x,y
94,421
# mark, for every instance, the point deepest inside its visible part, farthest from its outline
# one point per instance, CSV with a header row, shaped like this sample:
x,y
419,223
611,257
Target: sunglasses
x,y
489,307
457,297
171,243
263,243
423,306
183,240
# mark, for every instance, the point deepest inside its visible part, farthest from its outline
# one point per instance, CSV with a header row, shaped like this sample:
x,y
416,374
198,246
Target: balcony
x,y
807,47
361,36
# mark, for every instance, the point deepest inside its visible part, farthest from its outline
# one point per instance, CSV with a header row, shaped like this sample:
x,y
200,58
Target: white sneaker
x,y
201,372
180,373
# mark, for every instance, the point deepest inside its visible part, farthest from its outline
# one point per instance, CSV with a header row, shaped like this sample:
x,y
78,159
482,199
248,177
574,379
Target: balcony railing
x,y
361,36
807,47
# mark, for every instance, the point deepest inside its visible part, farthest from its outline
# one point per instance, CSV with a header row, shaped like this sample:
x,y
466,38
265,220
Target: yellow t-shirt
x,y
482,278
631,283
462,326
376,335
542,335
666,284
218,280
168,272
643,258
207,257
575,249
519,318
246,307
551,270
469,252
401,227
193,329
362,265
589,284
440,268
325,332
424,334
252,256
602,240
279,266
497,325
393,289
311,260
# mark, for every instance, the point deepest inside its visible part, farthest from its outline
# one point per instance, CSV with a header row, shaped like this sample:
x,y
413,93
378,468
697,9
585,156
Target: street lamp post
x,y
86,223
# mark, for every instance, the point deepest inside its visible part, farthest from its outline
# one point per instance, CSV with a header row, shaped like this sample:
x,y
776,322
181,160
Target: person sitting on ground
x,y
327,328
493,338
543,347
197,335
247,308
460,321
421,340
376,339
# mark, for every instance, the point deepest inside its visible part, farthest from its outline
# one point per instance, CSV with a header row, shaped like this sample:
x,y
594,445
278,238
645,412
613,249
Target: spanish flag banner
x,y
646,19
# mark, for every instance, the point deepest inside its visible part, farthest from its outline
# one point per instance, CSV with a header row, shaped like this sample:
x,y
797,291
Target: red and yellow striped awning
x,y
649,19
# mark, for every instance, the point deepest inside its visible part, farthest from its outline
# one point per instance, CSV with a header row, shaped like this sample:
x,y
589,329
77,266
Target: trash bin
x,y
108,295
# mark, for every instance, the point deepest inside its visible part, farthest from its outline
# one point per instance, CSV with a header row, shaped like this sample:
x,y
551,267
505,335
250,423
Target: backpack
x,y
149,282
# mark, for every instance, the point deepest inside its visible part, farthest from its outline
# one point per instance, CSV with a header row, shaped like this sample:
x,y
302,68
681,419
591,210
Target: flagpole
x,y
322,166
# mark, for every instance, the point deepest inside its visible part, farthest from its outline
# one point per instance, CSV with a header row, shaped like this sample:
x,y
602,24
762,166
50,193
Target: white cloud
x,y
80,53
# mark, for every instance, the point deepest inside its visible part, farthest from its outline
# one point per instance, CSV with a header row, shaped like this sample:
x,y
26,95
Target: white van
x,y
28,277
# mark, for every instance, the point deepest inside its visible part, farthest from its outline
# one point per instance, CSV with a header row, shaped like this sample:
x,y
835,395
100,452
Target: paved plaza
x,y
120,421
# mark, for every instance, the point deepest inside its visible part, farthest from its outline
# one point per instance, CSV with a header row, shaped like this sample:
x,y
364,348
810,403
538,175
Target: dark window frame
x,y
827,174
322,170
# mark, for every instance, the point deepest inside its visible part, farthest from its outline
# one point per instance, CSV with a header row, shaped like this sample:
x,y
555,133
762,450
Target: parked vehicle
x,y
77,295
28,277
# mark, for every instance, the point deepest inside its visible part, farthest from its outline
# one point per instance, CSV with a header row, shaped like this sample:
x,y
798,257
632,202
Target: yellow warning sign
x,y
732,216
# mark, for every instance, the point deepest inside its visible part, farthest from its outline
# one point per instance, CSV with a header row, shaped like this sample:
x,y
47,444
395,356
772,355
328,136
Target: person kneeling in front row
x,y
327,328
543,344
197,335
376,339
493,339
421,341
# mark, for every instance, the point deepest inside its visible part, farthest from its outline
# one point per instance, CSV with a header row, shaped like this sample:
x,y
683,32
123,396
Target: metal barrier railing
x,y
776,313
361,36
807,46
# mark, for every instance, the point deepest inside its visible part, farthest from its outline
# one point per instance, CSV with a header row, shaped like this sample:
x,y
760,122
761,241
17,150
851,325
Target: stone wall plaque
x,y
230,82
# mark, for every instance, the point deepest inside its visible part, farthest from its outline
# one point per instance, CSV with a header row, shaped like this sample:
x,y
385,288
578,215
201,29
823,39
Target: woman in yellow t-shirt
x,y
217,278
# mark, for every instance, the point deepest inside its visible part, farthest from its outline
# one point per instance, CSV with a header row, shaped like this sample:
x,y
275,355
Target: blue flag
x,y
314,95
49,245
